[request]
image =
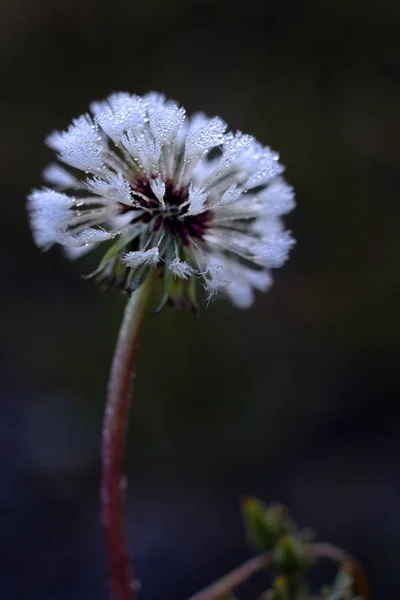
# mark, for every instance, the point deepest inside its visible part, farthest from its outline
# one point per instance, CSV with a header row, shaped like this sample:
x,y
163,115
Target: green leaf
x,y
115,249
264,525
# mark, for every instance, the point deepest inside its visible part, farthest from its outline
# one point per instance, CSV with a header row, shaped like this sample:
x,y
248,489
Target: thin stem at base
x,y
121,581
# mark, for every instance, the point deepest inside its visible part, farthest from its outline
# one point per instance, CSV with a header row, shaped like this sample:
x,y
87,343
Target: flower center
x,y
171,214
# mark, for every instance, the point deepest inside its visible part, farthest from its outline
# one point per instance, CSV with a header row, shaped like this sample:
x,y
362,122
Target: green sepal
x,y
168,280
190,292
115,250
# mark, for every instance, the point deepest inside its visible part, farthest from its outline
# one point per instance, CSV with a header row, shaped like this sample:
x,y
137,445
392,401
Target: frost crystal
x,y
168,192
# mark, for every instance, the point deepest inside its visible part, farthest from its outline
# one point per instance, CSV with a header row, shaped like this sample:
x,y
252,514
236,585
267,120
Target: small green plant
x,y
287,554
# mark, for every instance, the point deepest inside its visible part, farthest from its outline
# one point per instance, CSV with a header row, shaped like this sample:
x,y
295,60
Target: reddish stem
x,y
113,484
222,588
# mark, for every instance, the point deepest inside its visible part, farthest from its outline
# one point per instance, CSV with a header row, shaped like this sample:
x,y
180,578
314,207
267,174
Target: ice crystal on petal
x,y
200,140
80,146
49,212
215,280
277,198
197,201
146,257
166,191
181,268
114,187
158,188
232,194
166,122
120,112
262,165
85,237
235,146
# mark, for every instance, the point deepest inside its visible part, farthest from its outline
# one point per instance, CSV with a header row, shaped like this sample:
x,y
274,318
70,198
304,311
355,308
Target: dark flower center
x,y
172,217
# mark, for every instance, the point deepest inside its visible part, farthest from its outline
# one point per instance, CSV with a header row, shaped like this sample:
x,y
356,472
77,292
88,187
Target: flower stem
x,y
113,484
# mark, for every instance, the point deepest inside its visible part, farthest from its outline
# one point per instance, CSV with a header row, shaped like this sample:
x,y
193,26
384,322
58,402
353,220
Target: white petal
x,y
234,147
241,293
158,188
120,112
146,257
181,268
260,280
273,251
277,198
61,178
85,237
114,187
215,280
262,165
49,213
166,121
75,252
232,194
197,201
143,149
81,146
202,139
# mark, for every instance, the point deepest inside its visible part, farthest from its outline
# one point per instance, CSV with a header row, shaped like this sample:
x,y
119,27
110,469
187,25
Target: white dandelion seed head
x,y
165,191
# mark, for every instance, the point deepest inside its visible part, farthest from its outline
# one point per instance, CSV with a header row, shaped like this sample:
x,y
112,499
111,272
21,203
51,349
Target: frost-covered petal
x,y
158,187
143,149
234,148
85,237
214,277
114,187
260,280
262,164
241,293
75,252
202,139
273,250
49,213
277,198
120,112
197,201
180,268
80,146
147,257
166,121
232,194
61,178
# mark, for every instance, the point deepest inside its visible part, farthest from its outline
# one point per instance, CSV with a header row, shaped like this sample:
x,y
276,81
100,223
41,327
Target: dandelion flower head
x,y
167,192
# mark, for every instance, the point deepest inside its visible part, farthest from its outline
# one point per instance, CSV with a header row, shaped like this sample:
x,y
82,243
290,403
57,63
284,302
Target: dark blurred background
x,y
296,399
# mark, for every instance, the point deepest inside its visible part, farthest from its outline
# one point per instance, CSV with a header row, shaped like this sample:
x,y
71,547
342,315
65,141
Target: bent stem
x,y
222,588
331,552
113,484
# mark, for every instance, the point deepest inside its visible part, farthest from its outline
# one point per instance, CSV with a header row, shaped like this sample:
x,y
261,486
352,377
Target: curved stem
x,y
229,582
324,550
113,482
225,586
